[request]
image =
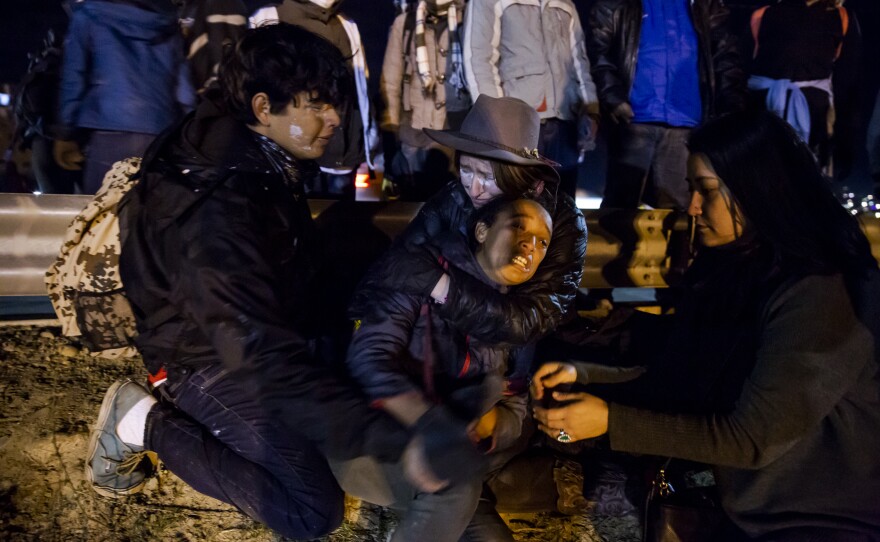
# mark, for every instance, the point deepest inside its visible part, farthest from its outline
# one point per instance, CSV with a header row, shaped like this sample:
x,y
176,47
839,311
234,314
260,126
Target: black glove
x,y
450,453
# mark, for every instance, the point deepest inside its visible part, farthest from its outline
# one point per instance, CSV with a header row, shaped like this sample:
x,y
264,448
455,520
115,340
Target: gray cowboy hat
x,y
504,129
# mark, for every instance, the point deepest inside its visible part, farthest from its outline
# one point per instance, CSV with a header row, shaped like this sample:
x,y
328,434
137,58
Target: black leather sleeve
x,y
604,56
727,62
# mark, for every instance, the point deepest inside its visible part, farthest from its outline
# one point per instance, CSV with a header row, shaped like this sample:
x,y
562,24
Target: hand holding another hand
x,y
583,416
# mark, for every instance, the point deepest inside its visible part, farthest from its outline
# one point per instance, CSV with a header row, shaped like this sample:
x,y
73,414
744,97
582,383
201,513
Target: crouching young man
x,y
217,254
449,387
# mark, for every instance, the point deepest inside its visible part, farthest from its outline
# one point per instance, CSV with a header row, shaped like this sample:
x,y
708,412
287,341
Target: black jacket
x,y
529,311
615,28
217,255
387,356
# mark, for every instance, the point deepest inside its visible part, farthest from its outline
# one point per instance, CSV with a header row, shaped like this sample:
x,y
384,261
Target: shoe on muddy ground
x,y
114,468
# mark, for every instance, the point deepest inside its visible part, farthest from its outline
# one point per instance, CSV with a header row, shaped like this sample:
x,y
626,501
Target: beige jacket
x,y
408,107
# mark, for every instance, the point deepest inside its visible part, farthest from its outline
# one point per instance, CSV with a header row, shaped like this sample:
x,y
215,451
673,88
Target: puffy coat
x,y
217,253
615,26
387,356
529,311
532,51
123,69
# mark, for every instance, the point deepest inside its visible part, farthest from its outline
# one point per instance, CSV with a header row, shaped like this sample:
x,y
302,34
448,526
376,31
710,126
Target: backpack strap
x,y
755,25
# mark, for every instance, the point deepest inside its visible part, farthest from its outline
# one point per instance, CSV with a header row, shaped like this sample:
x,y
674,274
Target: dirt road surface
x,y
50,392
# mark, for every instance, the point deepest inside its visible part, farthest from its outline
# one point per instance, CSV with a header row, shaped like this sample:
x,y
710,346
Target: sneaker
x,y
113,467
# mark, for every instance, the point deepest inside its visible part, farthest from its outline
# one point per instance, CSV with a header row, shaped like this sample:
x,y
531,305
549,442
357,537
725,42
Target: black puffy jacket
x,y
400,337
615,28
219,242
529,311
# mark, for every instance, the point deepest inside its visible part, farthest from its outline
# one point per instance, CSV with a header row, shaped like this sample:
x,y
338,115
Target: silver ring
x,y
563,436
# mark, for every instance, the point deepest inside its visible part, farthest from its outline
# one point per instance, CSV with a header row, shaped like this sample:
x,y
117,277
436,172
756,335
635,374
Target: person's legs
x,y
439,517
226,446
106,148
558,142
486,525
630,153
669,187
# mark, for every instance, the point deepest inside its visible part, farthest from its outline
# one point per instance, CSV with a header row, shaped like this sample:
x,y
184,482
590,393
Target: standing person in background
x,y
357,137
535,52
801,70
661,67
208,26
123,81
423,86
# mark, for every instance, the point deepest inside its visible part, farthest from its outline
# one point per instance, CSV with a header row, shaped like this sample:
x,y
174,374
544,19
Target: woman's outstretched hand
x,y
550,375
584,416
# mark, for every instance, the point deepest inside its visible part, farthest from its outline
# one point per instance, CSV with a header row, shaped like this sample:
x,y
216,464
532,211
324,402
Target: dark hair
x,y
488,214
778,186
517,181
282,60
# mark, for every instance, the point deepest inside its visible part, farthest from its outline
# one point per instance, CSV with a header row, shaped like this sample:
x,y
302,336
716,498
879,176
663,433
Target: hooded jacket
x,y
615,27
217,256
109,49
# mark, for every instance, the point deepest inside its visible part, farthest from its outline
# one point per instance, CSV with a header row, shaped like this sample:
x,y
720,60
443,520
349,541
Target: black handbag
x,y
687,514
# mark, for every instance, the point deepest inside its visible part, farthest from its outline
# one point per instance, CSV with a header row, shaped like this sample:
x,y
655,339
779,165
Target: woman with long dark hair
x,y
772,375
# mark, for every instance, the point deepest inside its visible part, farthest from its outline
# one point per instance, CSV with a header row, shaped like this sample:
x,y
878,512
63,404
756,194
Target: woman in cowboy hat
x,y
496,153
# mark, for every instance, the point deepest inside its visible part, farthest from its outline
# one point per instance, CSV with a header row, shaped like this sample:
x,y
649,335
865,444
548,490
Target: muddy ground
x,y
50,391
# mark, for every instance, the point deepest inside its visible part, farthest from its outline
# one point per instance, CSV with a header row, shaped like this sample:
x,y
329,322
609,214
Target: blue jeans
x,y
218,439
647,163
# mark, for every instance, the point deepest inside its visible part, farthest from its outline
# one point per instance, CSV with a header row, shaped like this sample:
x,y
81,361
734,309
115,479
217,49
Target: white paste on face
x,y
295,131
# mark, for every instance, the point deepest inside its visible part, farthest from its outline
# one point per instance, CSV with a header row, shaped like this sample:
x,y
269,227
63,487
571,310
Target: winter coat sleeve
x,y
227,283
586,87
481,50
379,345
605,24
730,75
534,309
74,75
391,82
512,410
805,365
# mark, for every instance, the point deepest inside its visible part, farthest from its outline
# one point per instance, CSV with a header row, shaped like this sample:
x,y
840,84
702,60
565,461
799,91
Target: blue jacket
x,y
123,70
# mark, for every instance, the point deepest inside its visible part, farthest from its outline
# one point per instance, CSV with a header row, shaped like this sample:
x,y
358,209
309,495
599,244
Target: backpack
x,y
84,283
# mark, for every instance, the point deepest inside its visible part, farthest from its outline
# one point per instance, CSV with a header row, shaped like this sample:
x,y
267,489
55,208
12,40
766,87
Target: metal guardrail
x,y
626,248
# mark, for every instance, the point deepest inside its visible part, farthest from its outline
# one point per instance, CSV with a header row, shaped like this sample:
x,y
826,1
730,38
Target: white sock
x,y
133,424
